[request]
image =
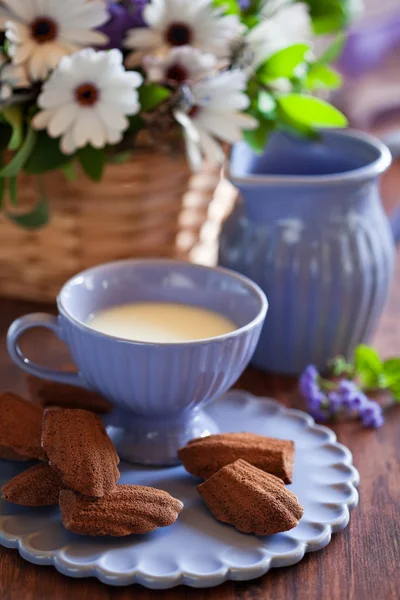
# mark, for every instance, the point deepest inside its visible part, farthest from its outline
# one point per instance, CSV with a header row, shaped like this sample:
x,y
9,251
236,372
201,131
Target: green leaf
x,y
392,367
329,16
333,51
46,155
136,123
283,63
368,366
92,161
311,112
391,370
395,390
367,357
321,76
328,24
12,190
151,95
231,7
250,20
5,136
38,217
20,158
69,171
13,116
257,138
340,366
120,158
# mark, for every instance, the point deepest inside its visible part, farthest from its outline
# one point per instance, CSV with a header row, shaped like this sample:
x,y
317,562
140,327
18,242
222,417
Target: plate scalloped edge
x,y
228,572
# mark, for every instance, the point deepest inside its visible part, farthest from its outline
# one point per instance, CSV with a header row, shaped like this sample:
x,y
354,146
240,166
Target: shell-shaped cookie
x,y
205,456
20,428
50,394
79,449
251,500
130,509
37,486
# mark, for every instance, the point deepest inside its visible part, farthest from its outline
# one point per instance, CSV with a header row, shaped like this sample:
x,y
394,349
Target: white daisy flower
x,y
180,65
215,113
41,32
183,23
87,98
11,78
284,24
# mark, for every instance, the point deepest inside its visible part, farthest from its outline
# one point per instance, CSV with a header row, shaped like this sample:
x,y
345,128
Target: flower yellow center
x,y
87,94
179,34
44,29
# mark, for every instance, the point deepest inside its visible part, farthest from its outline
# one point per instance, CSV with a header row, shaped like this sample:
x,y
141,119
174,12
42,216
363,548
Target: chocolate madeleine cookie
x,y
37,486
251,500
79,449
130,509
50,394
205,456
20,428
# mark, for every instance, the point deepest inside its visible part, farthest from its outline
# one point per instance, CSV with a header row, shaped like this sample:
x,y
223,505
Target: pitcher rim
x,y
372,169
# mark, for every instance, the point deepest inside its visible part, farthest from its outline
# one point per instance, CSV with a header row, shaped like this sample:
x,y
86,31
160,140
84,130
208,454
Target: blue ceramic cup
x,y
158,389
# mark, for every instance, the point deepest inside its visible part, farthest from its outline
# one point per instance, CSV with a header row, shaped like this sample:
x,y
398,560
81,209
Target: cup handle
x,y
18,328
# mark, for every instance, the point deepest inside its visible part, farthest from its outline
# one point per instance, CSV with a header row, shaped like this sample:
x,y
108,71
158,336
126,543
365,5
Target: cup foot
x,y
148,441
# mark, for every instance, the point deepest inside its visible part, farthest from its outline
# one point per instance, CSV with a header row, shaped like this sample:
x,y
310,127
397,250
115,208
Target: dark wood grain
x,y
361,562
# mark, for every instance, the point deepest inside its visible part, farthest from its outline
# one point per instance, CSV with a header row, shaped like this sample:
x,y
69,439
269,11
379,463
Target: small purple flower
x,y
312,394
308,383
125,15
335,402
345,396
244,4
352,397
371,415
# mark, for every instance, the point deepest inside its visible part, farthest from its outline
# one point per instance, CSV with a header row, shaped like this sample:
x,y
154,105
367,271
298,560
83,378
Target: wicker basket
x,y
136,211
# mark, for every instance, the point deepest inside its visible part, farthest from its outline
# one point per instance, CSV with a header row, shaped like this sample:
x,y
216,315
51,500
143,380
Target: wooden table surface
x,y
360,563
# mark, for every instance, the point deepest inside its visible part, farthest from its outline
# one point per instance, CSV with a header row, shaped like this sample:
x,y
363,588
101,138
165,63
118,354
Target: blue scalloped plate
x,y
198,550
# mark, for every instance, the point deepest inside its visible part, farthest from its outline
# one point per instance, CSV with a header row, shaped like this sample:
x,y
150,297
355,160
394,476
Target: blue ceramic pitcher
x,y
311,231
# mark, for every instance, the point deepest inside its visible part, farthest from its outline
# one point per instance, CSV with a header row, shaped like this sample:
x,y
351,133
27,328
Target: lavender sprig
x,y
326,399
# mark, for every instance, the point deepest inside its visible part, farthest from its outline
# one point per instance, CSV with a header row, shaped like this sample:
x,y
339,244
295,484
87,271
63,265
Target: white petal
x,y
67,143
111,117
212,150
84,37
88,129
219,126
21,8
17,33
20,54
42,119
143,39
193,152
62,120
114,135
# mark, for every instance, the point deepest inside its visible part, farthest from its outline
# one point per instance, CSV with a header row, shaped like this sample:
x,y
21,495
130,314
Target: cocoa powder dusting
x,y
37,486
203,457
79,449
131,509
251,500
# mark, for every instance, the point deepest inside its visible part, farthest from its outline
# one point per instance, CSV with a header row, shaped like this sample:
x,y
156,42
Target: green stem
x,y
325,384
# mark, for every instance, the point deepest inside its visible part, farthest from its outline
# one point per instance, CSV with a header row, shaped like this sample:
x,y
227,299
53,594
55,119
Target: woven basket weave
x,y
138,210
